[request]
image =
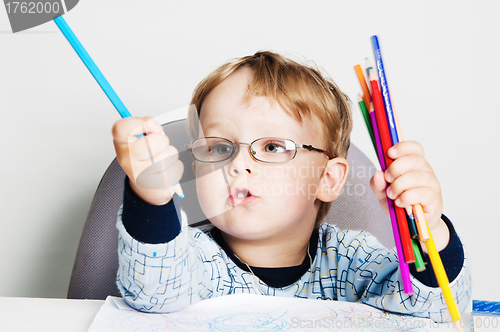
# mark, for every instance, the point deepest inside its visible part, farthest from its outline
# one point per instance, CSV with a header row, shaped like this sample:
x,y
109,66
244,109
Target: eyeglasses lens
x,y
273,150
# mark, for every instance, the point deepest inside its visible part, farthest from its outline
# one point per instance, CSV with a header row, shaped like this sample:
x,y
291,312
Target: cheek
x,y
287,181
211,191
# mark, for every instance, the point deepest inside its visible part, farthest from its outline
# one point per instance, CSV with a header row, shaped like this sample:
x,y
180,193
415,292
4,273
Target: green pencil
x,y
364,111
419,261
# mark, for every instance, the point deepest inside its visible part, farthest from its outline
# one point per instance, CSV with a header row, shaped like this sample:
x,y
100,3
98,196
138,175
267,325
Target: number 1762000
x,y
32,7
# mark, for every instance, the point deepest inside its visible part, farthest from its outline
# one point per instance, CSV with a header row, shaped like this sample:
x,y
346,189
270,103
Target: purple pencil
x,y
403,266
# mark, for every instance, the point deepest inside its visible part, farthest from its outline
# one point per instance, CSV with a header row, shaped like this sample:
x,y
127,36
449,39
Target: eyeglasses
x,y
266,149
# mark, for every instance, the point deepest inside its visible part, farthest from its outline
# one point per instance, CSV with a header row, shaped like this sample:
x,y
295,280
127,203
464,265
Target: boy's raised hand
x,y
412,181
150,162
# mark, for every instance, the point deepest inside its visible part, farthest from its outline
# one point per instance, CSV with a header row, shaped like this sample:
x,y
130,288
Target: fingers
x,y
429,200
129,136
378,184
406,148
160,175
406,163
153,159
152,147
411,180
142,147
416,187
126,130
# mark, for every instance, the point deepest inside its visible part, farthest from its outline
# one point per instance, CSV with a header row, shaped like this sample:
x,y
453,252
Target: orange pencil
x,y
361,78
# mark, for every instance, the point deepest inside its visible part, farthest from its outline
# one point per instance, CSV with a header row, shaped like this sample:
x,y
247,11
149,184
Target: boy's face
x,y
281,197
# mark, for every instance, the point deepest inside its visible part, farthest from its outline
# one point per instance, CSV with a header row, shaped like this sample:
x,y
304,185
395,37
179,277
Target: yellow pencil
x,y
425,236
442,278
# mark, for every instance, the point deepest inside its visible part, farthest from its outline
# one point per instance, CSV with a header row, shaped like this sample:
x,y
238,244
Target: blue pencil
x,y
385,90
92,67
99,77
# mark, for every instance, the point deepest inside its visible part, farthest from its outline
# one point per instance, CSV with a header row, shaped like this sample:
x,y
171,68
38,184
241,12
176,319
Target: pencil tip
x,y
372,75
178,190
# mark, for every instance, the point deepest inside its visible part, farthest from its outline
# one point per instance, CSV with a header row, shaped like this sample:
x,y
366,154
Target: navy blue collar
x,y
276,277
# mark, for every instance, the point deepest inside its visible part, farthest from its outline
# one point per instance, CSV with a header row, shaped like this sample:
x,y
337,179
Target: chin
x,y
249,230
237,226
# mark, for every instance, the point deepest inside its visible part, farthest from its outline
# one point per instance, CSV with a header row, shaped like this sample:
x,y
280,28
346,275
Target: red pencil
x,y
385,138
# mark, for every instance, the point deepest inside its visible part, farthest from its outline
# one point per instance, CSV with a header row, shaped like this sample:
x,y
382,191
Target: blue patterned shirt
x,y
347,266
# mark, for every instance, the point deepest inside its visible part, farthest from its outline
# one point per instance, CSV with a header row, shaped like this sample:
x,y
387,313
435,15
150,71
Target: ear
x,y
333,179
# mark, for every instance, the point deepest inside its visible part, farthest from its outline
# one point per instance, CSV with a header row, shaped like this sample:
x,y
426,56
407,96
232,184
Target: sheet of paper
x,y
245,312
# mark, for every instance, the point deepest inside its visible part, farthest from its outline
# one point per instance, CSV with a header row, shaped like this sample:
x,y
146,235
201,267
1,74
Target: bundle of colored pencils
x,y
409,225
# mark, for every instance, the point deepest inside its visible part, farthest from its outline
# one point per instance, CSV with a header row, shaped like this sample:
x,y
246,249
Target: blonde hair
x,y
300,90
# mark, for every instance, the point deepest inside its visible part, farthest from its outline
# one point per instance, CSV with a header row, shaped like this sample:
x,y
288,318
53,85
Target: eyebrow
x,y
217,125
210,126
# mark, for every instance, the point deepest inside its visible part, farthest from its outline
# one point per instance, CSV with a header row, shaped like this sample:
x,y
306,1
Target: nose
x,y
239,163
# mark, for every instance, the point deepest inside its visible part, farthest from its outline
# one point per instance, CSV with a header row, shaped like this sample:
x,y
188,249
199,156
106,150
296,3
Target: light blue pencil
x,y
92,67
99,77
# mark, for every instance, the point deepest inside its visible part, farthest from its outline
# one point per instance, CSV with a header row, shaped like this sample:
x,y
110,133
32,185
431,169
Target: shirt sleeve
x,y
452,257
369,272
162,262
150,223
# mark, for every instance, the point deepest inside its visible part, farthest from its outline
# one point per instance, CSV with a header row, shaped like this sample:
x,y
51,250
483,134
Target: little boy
x,y
256,121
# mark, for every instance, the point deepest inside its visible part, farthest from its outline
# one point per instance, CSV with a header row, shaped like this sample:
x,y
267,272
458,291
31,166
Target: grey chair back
x,y
96,263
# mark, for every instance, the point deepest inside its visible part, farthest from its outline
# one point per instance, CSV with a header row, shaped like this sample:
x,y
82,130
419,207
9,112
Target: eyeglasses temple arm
x,y
312,148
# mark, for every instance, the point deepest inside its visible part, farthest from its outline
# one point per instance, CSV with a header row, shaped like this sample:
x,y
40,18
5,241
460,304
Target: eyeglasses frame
x,y
236,150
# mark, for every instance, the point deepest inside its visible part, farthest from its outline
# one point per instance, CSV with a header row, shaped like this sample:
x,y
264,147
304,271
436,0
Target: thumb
x,y
377,183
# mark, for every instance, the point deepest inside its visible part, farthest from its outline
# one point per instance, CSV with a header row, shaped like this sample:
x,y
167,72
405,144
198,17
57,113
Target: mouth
x,y
241,196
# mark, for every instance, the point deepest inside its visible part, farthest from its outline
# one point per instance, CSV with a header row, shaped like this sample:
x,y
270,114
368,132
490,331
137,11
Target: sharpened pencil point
x,y
359,97
178,190
372,75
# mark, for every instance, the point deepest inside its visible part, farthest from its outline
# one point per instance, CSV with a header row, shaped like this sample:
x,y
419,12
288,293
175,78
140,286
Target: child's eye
x,y
274,148
220,148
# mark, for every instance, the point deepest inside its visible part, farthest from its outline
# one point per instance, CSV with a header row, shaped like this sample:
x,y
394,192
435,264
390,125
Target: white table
x,y
63,315
40,315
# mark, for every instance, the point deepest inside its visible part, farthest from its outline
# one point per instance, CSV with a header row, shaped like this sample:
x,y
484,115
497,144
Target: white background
x,y
442,63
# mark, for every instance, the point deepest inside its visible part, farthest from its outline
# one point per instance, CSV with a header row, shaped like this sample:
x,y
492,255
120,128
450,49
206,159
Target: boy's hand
x,y
412,181
150,162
